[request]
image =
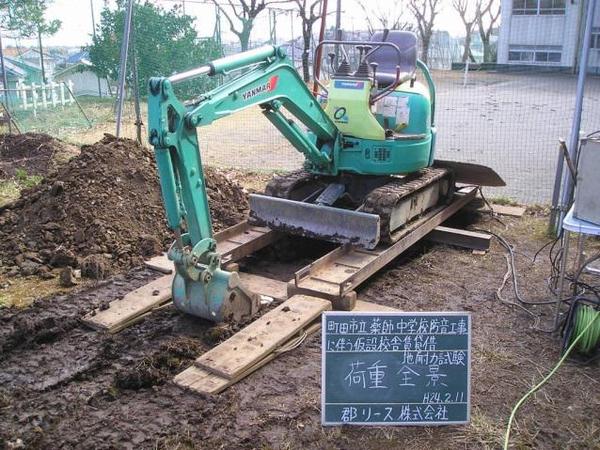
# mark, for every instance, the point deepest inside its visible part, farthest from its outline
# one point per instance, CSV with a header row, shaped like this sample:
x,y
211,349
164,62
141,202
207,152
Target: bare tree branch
x,y
425,13
488,15
245,13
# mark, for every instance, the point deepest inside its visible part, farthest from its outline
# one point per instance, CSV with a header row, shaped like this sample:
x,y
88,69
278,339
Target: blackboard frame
x,y
326,314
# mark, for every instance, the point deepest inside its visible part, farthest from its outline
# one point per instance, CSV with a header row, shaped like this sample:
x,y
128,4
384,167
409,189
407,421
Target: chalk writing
x,y
388,368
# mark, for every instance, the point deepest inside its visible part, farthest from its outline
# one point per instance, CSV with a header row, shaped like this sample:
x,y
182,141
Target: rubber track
x,y
384,199
282,186
380,201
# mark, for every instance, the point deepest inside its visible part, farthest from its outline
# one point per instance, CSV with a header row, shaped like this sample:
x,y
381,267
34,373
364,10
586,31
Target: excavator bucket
x,y
337,225
221,299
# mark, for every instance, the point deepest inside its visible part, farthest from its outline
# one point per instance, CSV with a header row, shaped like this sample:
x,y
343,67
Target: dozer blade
x,y
337,225
469,173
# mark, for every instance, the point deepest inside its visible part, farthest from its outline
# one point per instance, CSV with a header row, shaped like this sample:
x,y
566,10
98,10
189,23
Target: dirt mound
x,y
34,153
102,211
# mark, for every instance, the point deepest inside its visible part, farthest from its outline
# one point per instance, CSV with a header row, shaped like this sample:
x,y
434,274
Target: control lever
x,y
331,56
374,66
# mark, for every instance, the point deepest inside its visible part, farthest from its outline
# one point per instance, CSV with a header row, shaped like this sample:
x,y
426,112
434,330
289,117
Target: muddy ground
x,y
63,385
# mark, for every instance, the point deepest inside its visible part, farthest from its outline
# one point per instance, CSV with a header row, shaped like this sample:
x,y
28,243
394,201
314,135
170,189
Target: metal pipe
x,y
94,36
5,85
123,65
227,64
567,193
318,51
188,75
552,224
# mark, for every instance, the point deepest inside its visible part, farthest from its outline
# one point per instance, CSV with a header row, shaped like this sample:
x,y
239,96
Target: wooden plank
x,y
326,277
506,210
275,289
261,337
234,243
461,238
243,239
204,382
132,305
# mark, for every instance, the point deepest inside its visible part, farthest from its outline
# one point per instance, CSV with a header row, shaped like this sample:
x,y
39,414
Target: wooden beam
x,y
249,346
506,210
130,309
460,238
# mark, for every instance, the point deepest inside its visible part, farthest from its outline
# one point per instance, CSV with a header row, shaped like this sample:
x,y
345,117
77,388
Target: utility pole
x,y
136,91
293,37
5,84
123,65
41,56
338,29
94,35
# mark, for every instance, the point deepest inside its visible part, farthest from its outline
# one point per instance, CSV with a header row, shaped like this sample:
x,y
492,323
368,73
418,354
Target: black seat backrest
x,y
387,58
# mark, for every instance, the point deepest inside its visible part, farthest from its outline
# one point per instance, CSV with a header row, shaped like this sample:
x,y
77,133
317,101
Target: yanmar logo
x,y
265,87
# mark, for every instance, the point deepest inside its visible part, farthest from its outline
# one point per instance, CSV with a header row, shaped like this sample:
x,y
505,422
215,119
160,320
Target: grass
x,y
11,188
503,201
22,291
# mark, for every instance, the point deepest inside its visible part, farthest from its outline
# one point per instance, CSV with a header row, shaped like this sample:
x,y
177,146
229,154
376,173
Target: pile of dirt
x,y
101,212
33,153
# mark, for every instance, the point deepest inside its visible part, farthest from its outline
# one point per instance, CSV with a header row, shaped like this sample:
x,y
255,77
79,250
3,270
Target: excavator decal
x,y
269,86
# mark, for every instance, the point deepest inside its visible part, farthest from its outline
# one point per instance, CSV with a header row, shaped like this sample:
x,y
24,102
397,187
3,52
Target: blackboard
x,y
391,368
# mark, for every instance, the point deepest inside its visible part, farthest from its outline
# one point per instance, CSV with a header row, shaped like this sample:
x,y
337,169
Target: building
x,y
85,81
546,33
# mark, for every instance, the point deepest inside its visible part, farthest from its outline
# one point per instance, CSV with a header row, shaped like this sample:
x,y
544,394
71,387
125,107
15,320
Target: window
x,y
535,54
595,38
538,7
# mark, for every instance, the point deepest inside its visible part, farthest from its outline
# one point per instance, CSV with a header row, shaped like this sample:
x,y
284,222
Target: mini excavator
x,y
368,140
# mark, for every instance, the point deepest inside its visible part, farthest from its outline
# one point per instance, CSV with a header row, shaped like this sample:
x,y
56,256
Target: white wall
x,y
85,83
540,30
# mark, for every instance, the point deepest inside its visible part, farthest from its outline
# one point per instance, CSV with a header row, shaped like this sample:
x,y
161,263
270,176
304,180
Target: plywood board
x,y
263,336
132,305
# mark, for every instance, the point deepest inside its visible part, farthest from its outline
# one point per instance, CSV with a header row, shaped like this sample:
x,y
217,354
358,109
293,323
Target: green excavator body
x,y
367,126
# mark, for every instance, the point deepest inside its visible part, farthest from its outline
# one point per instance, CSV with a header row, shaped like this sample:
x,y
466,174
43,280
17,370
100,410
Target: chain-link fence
x,y
510,120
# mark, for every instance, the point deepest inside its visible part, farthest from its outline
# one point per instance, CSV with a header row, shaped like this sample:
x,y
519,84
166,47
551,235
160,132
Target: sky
x,y
76,19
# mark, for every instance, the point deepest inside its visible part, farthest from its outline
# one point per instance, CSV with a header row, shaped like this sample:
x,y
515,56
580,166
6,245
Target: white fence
x,y
44,96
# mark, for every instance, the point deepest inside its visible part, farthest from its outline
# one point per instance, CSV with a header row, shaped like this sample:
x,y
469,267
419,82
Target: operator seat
x,y
387,58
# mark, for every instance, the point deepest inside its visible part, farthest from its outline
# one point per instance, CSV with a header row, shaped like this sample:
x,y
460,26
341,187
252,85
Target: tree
x,y
468,10
487,16
174,48
310,13
244,12
425,12
390,15
27,19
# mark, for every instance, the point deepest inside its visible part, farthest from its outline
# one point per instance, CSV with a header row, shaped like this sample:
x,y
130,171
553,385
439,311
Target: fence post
x,y
72,96
44,98
23,88
62,94
53,93
34,97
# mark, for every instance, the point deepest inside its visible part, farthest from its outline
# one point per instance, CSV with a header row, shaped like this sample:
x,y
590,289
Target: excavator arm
x,y
200,286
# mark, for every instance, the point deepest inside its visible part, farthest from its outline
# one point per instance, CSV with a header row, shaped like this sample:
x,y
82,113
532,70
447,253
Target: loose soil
x,y
63,385
32,153
101,212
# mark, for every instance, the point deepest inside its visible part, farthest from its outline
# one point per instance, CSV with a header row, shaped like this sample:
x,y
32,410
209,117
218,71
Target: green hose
x,y
585,330
590,335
